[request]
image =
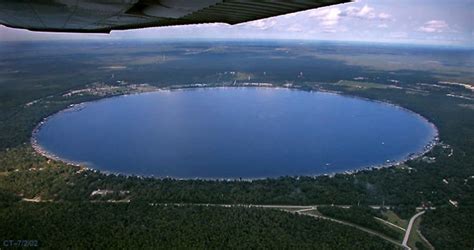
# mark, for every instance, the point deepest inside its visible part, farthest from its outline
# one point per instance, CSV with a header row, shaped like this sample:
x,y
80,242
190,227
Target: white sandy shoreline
x,y
76,107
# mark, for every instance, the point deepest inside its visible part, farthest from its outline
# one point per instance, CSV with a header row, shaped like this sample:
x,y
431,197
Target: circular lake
x,y
233,132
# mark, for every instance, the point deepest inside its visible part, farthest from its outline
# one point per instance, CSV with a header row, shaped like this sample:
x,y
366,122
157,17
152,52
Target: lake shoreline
x,y
77,107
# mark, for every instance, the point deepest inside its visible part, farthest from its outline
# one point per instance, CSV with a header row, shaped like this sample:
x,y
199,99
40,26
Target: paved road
x,y
348,224
262,206
410,225
300,209
390,224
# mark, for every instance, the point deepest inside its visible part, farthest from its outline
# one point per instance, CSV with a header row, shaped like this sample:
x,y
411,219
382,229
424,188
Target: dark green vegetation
x,y
34,78
447,227
363,216
132,226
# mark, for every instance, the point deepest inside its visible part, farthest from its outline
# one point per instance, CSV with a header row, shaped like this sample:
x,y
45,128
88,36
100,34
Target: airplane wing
x,y
102,16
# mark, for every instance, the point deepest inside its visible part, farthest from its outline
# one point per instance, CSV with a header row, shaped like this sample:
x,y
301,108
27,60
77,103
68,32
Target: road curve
x,y
410,225
372,232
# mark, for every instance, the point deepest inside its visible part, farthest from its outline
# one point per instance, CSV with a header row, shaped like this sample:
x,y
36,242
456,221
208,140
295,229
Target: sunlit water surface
x,y
234,132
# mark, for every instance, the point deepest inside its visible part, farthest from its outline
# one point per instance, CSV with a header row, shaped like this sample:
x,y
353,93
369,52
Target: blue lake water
x,y
234,132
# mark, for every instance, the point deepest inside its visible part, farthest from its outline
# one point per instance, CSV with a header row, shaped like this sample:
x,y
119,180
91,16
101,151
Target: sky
x,y
432,22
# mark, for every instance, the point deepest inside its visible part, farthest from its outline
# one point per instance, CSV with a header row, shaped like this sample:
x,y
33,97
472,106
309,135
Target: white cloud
x,y
295,28
365,12
383,25
213,25
261,24
383,15
434,26
328,17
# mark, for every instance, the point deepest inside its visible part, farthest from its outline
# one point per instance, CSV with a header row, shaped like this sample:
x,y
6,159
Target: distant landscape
x,y
50,203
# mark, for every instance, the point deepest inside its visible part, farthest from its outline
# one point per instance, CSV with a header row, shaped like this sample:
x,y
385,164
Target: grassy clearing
x,y
313,212
415,241
393,218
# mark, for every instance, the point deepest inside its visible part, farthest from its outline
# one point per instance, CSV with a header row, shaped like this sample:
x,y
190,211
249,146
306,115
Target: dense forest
x,y
363,216
67,214
139,225
447,227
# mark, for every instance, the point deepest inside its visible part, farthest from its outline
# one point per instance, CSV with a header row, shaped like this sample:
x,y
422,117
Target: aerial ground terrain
x,y
425,203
